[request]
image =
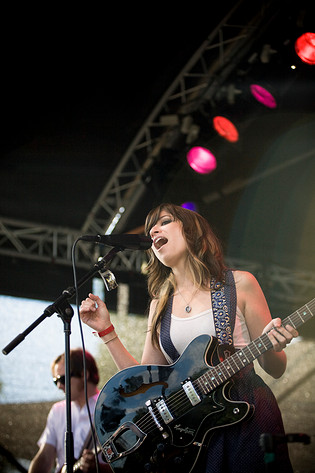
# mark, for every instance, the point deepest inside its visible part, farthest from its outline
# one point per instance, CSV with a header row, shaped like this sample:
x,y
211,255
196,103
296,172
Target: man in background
x,y
51,451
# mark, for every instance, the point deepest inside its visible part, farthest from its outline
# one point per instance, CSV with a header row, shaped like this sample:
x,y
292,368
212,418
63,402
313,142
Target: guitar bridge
x,y
191,393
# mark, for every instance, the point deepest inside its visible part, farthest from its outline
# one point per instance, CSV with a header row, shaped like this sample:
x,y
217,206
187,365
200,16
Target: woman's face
x,y
169,244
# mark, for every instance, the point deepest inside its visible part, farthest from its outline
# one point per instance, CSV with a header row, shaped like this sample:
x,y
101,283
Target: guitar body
x,y
159,418
145,421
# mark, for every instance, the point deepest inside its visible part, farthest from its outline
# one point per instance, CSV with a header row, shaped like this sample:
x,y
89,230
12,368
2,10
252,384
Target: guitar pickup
x,y
191,393
164,411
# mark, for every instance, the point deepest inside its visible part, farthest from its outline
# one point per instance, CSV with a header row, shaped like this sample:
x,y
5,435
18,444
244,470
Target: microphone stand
x,y
64,310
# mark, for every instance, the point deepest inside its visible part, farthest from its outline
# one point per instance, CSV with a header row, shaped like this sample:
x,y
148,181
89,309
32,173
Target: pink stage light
x,y
263,96
201,160
305,48
225,128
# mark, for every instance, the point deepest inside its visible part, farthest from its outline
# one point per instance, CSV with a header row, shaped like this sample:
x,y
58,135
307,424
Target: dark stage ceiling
x,y
75,92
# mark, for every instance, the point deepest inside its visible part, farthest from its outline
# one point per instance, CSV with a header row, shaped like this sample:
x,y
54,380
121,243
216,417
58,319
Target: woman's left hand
x,y
279,335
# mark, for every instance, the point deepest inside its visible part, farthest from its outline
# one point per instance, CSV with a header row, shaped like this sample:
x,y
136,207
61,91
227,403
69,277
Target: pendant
x,y
188,309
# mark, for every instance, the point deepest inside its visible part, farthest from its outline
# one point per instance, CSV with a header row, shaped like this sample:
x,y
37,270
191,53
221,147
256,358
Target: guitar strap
x,y
224,308
165,336
223,299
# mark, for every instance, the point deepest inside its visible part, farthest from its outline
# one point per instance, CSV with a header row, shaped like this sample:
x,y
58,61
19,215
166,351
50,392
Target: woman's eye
x,y
161,223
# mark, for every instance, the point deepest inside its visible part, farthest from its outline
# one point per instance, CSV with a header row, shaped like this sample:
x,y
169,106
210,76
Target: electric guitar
x,y
159,418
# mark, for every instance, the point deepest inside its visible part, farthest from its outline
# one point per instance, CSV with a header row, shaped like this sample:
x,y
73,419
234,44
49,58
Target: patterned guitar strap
x,y
224,310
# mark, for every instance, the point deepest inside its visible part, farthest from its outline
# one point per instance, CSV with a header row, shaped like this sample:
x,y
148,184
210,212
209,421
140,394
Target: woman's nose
x,y
154,229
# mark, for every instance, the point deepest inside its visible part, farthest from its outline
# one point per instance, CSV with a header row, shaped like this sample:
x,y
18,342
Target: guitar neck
x,y
242,358
77,464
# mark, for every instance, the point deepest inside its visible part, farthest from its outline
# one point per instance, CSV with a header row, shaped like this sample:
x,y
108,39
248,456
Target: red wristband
x,y
108,330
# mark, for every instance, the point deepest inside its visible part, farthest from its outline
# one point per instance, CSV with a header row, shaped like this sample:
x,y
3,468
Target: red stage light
x,y
305,48
225,128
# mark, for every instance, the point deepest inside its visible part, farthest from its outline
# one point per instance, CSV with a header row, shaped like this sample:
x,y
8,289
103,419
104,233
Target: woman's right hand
x,y
94,313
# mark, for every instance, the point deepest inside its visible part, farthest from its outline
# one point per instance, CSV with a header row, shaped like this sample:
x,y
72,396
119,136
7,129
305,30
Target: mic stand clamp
x,y
108,279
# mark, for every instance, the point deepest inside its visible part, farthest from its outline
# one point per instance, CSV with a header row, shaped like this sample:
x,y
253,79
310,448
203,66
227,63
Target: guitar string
x,y
180,396
213,380
179,401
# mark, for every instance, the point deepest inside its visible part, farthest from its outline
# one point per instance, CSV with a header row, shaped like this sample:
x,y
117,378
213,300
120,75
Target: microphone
x,y
128,241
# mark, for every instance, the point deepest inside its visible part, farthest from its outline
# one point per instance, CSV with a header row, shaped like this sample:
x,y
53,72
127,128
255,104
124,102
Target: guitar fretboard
x,y
242,358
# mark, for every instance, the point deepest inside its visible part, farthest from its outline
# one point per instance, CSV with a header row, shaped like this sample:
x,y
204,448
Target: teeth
x,y
159,242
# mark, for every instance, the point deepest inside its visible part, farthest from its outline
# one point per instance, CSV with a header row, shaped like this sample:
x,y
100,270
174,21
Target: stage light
x,y
305,48
225,128
263,96
201,160
189,206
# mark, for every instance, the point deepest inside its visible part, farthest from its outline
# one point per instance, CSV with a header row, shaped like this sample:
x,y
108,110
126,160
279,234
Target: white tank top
x,y
184,330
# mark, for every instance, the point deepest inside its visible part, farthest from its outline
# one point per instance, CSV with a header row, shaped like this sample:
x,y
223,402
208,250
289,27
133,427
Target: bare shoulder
x,y
244,280
247,289
250,297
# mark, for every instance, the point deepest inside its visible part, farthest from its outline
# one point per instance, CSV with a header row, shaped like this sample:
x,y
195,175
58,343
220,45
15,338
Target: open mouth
x,y
159,242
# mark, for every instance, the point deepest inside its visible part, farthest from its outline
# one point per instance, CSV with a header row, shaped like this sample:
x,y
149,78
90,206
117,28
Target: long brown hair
x,y
205,258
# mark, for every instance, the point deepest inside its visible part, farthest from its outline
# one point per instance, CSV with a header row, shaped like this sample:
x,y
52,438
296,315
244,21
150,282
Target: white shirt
x,y
56,426
184,330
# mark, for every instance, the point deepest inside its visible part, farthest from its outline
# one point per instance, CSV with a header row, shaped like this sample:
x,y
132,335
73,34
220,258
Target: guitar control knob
x,y
160,447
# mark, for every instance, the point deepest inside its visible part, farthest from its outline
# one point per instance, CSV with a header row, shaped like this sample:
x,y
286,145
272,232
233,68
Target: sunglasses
x,y
61,379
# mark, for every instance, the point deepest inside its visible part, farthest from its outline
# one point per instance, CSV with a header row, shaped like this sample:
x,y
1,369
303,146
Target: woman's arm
x,y
253,305
94,313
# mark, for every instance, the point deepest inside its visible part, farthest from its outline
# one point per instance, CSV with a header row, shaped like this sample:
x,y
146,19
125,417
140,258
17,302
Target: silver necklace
x,y
187,307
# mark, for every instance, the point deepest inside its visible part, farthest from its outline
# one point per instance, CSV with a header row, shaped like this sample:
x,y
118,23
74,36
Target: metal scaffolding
x,y
48,244
200,81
